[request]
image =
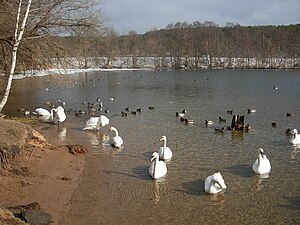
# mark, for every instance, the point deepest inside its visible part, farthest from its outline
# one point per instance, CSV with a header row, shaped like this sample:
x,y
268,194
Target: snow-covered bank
x,y
40,73
77,65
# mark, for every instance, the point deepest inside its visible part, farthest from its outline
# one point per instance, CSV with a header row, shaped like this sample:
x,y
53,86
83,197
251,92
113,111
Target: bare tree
x,y
18,35
38,28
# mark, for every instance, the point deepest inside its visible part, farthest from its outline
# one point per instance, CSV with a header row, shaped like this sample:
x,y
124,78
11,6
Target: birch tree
x,y
39,30
18,35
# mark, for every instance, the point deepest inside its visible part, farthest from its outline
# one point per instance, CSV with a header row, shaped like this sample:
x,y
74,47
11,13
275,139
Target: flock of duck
x,y
158,168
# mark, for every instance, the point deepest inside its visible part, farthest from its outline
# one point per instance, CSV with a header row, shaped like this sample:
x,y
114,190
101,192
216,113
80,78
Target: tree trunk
x,y
18,37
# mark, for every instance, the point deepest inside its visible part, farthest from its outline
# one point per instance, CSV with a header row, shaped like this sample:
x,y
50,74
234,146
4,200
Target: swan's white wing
x,y
157,169
162,169
61,116
104,121
295,140
42,112
92,123
264,166
165,153
210,185
117,141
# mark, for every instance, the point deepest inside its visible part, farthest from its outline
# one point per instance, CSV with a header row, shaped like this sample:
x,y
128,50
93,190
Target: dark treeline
x,y
182,41
182,45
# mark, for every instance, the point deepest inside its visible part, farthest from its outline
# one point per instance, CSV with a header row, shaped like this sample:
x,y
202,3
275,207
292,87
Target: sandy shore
x,y
42,173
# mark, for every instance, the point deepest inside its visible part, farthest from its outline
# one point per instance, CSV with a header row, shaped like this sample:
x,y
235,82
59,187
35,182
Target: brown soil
x,y
38,172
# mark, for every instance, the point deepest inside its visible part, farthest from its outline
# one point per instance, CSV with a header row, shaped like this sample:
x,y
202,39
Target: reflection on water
x,y
260,181
156,195
294,152
115,179
218,199
62,133
96,140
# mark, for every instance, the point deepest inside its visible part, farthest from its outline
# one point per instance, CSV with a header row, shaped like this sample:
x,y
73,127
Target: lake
x,y
116,187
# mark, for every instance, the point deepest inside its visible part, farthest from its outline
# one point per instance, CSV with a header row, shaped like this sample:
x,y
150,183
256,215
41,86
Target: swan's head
x,y
295,131
184,111
219,180
261,151
163,138
154,156
112,129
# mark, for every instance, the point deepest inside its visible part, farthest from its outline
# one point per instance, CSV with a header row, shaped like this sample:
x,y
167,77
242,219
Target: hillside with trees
x,y
178,46
192,45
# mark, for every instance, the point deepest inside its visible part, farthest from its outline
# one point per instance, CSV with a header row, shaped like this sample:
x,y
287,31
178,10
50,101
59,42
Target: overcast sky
x,y
143,15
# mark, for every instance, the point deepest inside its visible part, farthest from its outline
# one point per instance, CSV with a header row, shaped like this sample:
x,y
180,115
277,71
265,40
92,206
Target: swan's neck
x,y
295,135
212,183
117,133
260,157
154,168
165,143
51,111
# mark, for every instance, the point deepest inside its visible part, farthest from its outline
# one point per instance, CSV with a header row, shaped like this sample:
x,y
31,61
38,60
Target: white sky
x,y
142,15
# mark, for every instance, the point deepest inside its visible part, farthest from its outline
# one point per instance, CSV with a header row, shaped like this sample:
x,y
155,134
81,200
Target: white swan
x,y
295,139
60,114
262,164
43,112
164,152
214,183
94,123
157,168
117,140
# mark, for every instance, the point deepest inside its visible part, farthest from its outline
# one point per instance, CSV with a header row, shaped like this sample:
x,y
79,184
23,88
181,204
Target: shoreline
x,y
36,175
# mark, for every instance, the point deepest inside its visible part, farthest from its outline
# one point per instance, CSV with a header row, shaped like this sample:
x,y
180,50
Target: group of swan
x,y
158,168
54,115
95,123
213,183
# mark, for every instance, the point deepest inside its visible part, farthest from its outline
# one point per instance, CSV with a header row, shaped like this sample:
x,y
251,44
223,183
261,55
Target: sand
x,y
42,173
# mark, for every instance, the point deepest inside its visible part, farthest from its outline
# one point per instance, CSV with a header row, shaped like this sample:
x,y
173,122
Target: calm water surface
x,y
116,187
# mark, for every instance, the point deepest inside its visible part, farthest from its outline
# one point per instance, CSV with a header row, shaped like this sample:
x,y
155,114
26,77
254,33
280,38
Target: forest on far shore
x,y
179,45
198,41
